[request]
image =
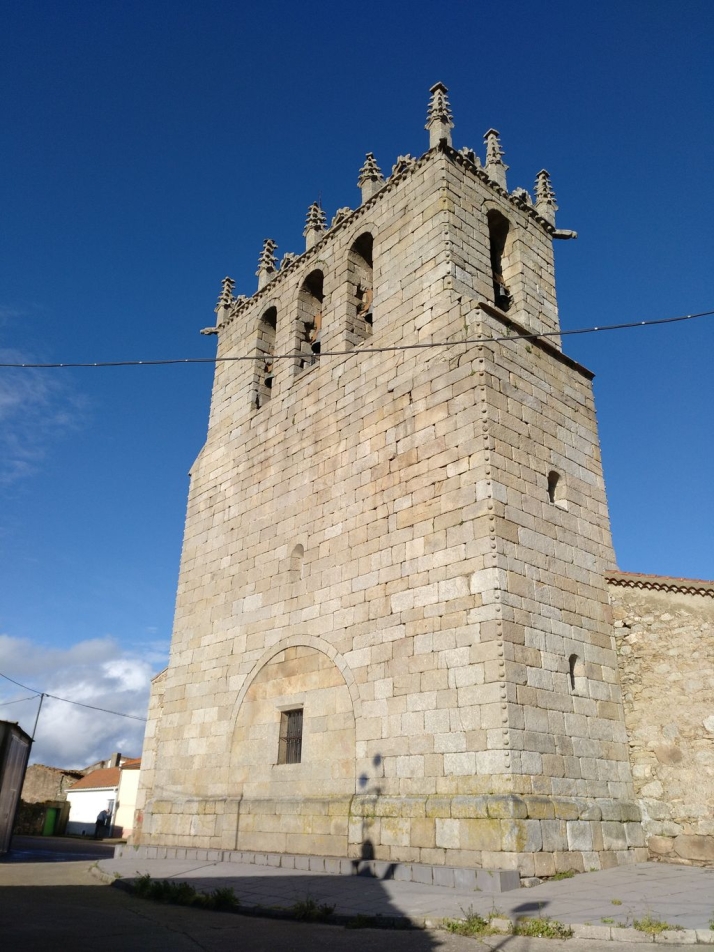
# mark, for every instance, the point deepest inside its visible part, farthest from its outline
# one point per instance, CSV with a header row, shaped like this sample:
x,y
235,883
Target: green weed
x,y
653,926
307,910
607,921
616,902
565,874
541,927
474,924
184,894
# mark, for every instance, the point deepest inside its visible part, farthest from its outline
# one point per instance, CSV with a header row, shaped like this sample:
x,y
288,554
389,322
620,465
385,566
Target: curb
x,y
580,931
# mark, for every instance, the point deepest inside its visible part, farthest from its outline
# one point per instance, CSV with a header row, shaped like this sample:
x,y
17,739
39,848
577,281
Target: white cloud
x,y
37,407
97,672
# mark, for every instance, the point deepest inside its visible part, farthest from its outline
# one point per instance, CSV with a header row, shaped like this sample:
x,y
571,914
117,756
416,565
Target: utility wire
x,y
18,700
361,351
66,700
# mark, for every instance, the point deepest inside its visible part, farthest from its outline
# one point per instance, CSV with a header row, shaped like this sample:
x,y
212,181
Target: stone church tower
x,y
392,637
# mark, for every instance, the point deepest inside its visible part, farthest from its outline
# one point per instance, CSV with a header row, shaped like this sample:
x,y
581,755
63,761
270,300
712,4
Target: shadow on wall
x,y
367,851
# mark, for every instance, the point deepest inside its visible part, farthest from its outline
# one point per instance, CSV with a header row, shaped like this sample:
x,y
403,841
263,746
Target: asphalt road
x,y
56,849
55,904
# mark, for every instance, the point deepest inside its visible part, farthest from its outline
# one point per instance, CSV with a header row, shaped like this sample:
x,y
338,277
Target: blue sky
x,y
148,150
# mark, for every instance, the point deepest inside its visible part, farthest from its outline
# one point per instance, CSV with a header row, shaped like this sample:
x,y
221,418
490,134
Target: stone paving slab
x,y
600,905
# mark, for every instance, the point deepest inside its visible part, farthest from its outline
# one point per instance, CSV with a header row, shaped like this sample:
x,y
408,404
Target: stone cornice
x,y
533,338
660,583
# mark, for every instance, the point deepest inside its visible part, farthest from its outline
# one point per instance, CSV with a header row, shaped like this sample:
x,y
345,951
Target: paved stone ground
x,y
56,905
49,904
599,903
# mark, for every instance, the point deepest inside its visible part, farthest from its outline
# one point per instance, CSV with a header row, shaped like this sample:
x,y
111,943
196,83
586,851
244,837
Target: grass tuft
x,y
184,894
541,927
307,910
474,924
565,874
653,926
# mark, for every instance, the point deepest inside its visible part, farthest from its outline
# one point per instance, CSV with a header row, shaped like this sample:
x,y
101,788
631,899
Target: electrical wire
x,y
361,351
66,700
18,700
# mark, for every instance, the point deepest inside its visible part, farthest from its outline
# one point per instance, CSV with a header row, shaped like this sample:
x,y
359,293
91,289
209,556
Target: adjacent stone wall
x,y
48,783
665,643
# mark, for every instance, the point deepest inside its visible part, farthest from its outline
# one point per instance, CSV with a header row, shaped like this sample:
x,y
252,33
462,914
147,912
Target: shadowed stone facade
x,y
406,544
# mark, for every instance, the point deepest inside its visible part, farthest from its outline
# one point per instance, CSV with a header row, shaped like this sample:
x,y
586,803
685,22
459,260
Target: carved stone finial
x,y
315,225
370,177
439,121
471,156
287,259
403,163
340,215
266,263
521,196
225,298
495,167
545,197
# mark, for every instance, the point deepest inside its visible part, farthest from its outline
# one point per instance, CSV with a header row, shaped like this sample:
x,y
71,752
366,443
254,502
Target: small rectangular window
x,y
290,747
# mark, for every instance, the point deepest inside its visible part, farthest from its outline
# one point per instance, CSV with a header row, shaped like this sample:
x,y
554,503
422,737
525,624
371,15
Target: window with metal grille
x,y
290,748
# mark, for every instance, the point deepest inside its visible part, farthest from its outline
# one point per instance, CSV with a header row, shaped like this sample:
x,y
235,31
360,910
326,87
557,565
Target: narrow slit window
x,y
556,490
295,563
290,747
576,675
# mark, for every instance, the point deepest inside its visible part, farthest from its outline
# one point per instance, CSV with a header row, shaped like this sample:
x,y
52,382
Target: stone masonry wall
x,y
376,542
665,645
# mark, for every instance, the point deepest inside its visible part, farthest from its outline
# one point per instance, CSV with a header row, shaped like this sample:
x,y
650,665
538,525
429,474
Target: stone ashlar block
x,y
695,847
508,806
613,835
480,834
539,808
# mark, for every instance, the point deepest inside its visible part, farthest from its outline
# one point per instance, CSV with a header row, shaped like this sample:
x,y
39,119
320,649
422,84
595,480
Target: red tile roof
x,y
661,583
131,763
98,779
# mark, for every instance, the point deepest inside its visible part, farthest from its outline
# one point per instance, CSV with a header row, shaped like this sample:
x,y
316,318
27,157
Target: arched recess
x,y
499,241
309,319
360,269
299,673
264,351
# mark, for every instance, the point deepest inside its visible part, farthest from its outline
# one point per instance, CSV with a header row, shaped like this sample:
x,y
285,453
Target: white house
x,y
95,792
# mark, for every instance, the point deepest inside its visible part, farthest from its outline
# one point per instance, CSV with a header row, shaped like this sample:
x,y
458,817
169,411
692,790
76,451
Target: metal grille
x,y
290,751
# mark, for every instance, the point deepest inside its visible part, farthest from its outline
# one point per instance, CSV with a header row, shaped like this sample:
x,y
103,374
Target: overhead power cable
x,y
18,700
67,700
362,351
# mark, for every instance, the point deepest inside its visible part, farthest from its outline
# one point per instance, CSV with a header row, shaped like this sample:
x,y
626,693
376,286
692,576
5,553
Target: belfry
x,y
392,638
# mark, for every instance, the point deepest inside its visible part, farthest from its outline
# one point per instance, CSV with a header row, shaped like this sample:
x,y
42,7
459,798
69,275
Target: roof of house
x,y
661,583
104,778
132,763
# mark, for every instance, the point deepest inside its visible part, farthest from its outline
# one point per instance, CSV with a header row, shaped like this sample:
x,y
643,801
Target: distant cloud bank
x,y
99,672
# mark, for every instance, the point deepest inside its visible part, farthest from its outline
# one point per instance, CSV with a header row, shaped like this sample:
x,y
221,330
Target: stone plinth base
x,y
454,877
689,849
533,835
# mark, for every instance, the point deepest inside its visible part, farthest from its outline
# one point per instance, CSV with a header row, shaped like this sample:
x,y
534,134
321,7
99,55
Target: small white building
x,y
126,798
95,792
